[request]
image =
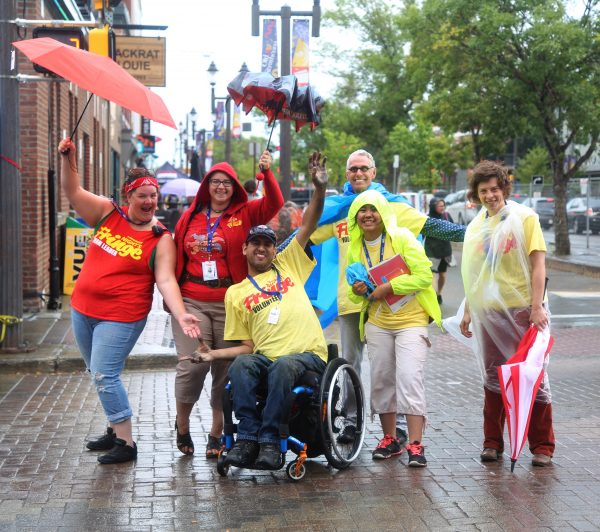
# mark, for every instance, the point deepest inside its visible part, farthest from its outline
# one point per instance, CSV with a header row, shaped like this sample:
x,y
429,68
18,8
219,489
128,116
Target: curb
x,y
587,270
64,360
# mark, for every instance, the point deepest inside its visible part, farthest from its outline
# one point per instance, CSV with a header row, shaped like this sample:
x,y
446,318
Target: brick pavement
x,y
48,481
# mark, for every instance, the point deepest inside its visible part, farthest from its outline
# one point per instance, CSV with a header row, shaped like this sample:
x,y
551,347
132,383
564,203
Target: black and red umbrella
x,y
279,98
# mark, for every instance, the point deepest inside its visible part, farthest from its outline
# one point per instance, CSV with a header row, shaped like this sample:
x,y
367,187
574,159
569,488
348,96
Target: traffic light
x,y
105,4
70,36
101,41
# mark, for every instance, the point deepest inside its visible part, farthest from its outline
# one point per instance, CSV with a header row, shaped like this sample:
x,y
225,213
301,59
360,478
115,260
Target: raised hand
x,y
317,170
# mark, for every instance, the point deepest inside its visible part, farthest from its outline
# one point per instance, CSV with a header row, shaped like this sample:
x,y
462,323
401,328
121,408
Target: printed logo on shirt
x,y
342,231
124,246
257,301
198,243
234,222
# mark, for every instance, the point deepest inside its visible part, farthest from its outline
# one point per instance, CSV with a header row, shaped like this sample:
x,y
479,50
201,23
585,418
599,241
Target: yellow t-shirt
x,y
511,282
410,315
248,310
406,216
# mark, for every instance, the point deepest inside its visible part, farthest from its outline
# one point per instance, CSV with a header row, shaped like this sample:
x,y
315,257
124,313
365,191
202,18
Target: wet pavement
x,y
48,408
49,481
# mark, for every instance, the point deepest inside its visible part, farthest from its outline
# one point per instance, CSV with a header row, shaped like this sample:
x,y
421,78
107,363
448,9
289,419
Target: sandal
x,y
213,447
183,441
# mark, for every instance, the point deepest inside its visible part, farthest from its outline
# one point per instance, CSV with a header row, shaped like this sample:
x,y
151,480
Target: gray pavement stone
x,y
48,480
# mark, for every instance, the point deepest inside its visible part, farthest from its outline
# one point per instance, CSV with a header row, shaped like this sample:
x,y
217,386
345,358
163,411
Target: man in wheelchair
x,y
279,333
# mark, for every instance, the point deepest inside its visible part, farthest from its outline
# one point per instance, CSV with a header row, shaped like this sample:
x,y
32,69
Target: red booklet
x,y
386,271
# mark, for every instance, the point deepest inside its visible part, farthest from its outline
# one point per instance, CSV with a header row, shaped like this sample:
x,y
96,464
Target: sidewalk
x,y
51,345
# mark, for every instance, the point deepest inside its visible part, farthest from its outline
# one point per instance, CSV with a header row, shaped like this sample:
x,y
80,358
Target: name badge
x,y
274,316
209,270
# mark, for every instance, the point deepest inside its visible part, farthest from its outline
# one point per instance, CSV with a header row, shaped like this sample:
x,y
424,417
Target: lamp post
x,y
181,145
212,73
285,135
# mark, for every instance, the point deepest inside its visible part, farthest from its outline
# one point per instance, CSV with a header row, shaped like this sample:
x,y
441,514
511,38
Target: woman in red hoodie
x,y
209,238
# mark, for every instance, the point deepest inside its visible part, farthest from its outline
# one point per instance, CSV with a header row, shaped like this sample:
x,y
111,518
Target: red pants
x,y
540,434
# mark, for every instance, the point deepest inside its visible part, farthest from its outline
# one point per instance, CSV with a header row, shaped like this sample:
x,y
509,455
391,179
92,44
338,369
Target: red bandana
x,y
140,182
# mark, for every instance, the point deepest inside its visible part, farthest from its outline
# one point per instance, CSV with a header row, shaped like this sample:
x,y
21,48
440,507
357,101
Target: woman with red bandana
x,y
209,238
129,252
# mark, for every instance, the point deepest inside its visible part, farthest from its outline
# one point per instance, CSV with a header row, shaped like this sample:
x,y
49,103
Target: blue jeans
x,y
245,374
104,346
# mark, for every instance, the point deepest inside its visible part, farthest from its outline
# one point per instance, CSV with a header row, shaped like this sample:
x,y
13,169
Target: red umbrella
x,y
520,379
97,74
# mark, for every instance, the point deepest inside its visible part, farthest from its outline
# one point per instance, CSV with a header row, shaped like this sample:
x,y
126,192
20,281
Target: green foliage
x,y
535,162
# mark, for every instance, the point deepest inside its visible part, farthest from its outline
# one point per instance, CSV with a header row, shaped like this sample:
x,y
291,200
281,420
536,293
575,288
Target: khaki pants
x,y
189,379
397,359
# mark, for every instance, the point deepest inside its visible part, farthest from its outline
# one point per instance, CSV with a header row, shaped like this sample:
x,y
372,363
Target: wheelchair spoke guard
x,y
341,401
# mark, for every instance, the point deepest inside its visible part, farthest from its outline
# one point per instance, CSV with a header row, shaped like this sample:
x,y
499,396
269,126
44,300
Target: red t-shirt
x,y
195,247
116,282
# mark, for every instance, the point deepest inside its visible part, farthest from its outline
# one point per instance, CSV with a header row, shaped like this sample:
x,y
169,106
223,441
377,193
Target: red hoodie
x,y
240,216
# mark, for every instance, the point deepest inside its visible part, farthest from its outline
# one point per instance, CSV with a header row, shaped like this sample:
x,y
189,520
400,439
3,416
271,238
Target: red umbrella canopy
x,y
97,74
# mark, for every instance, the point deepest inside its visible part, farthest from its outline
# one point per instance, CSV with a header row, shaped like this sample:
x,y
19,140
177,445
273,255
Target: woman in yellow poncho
x,y
397,342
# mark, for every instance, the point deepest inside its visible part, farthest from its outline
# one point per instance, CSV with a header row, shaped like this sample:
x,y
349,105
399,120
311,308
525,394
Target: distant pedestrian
x,y
503,271
251,189
129,252
439,251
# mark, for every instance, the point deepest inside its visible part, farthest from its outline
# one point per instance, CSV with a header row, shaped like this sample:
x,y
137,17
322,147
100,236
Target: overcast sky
x,y
201,31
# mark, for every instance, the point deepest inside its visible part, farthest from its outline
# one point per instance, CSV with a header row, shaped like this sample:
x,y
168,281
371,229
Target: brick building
x,y
47,111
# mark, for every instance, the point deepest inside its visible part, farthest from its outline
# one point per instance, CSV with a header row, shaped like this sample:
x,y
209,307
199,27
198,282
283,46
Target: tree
x,y
535,162
534,65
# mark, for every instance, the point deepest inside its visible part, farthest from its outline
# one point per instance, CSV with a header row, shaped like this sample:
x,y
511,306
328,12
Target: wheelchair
x,y
314,414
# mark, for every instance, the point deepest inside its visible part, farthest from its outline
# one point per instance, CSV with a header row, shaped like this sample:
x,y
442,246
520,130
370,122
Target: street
x,y
48,481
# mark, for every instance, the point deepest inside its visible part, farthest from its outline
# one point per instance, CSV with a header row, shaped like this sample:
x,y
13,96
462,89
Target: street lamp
x,y
181,131
212,73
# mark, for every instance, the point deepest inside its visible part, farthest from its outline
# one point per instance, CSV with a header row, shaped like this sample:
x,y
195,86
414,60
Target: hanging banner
x,y
236,131
300,51
270,56
220,122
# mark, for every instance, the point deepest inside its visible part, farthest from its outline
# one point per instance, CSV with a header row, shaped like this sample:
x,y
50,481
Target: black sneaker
x,y
416,454
242,454
347,435
121,452
387,448
104,443
269,456
402,436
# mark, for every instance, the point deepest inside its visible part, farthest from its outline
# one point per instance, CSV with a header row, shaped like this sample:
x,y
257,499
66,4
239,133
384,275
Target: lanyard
x,y
268,292
123,214
210,230
381,249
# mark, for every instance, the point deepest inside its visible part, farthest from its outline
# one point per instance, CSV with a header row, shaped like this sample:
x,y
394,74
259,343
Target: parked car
x,y
578,212
545,211
535,202
460,208
519,198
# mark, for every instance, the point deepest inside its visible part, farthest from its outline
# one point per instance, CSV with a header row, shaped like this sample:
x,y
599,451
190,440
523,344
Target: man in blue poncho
x,y
361,172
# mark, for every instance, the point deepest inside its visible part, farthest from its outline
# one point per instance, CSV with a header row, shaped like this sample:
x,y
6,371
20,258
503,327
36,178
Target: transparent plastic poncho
x,y
496,273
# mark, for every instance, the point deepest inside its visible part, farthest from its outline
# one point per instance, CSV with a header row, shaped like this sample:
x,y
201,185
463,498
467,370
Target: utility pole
x,y
285,132
11,247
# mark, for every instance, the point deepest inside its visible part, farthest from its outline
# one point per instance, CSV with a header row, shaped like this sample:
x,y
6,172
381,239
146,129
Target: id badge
x,y
274,316
209,270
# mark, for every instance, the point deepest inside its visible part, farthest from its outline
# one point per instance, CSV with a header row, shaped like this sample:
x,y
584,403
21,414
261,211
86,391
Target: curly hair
x,y
485,171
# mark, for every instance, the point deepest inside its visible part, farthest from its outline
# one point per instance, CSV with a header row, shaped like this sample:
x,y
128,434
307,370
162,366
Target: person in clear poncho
x,y
503,271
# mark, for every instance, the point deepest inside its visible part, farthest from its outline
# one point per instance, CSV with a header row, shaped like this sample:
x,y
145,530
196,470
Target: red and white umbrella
x,y
520,379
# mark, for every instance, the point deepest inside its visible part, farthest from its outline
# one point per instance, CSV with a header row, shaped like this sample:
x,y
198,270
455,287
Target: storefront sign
x,y
144,58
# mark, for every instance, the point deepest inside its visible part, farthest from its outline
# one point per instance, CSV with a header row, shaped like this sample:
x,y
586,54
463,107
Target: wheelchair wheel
x,y
295,473
222,469
341,400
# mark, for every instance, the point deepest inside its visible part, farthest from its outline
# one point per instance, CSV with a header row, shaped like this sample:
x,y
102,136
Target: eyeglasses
x,y
216,182
363,169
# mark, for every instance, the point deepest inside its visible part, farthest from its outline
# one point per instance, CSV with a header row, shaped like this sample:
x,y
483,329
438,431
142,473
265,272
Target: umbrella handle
x,y
260,176
80,117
